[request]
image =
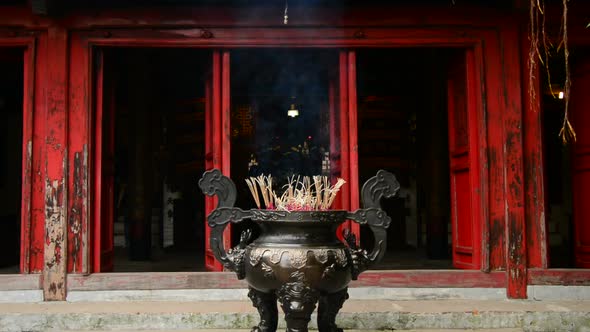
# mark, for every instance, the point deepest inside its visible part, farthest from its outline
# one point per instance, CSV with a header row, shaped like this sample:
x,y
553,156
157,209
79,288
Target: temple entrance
x,y
11,145
567,167
153,138
166,115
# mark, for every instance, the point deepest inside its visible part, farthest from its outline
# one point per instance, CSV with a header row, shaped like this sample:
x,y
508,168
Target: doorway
x,y
567,166
11,145
153,139
415,119
283,110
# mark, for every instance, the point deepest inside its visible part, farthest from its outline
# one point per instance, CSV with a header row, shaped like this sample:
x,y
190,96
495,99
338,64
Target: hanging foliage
x,y
540,52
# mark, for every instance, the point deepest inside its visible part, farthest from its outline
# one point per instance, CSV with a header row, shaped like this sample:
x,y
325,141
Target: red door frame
x,y
31,255
347,79
217,155
491,123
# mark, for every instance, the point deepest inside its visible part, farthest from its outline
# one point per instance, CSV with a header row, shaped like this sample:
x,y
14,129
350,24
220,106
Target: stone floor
x,y
362,315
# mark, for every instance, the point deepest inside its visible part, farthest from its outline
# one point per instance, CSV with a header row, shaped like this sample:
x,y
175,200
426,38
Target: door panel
x,y
580,116
104,215
464,168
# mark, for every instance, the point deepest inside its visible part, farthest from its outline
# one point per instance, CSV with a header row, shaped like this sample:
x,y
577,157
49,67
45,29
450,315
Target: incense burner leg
x,y
298,302
328,308
266,303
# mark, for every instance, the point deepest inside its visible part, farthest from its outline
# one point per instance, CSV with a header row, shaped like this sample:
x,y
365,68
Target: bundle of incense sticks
x,y
265,184
301,193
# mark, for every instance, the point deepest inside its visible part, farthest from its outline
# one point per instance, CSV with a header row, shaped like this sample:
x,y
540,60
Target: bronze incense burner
x,y
298,259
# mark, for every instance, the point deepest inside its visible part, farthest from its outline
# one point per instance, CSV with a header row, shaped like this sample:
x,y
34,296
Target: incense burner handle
x,y
215,183
384,184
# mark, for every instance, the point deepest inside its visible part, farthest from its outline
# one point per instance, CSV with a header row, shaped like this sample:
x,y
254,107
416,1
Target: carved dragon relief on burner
x,y
298,257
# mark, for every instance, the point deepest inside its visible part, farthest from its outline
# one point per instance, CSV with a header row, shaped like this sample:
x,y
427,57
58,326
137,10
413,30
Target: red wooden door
x,y
217,140
580,115
464,168
104,214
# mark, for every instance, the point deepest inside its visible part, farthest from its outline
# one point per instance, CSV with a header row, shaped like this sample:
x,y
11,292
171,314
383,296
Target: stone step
x,y
365,315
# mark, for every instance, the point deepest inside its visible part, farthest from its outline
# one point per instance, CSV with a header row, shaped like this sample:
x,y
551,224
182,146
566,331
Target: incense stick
x,y
300,193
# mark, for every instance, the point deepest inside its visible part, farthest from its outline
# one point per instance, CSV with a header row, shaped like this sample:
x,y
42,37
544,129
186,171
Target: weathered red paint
x,y
578,277
227,280
78,143
493,113
27,163
512,148
536,235
56,193
502,174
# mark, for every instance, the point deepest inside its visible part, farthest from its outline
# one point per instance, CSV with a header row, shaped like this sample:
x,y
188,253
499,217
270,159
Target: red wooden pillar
x,y
344,128
494,88
55,251
78,145
225,130
348,136
514,173
353,141
218,141
534,165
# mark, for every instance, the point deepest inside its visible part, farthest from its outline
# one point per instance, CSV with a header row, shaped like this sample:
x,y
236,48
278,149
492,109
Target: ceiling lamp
x,y
293,112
